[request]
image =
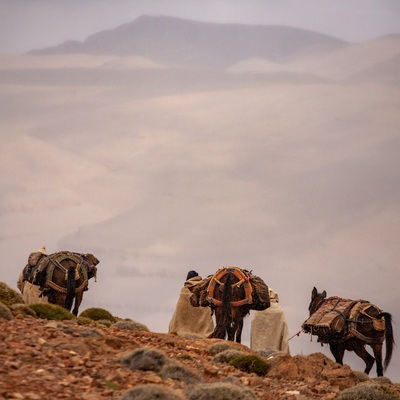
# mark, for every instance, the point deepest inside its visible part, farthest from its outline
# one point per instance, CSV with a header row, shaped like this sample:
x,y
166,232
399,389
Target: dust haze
x,y
288,168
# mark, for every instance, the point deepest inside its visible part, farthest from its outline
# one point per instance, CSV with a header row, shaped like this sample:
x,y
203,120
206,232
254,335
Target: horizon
x,y
26,26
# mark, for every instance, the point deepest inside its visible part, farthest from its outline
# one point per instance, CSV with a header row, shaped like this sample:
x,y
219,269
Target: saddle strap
x,y
55,261
243,280
60,289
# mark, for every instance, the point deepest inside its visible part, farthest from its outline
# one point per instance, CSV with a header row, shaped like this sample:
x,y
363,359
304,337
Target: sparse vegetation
x,y
150,392
5,312
361,376
250,363
179,372
97,314
370,392
145,359
219,347
9,296
130,325
220,391
51,311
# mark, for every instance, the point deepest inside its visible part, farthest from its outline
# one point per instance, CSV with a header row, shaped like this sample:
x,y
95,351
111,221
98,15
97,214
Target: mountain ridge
x,y
195,44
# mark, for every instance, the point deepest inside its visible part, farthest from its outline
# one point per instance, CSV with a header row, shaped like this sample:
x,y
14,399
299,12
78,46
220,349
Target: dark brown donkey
x,y
231,297
64,276
347,324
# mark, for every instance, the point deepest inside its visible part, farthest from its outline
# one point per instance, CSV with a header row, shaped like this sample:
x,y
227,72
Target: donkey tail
x,y
70,288
389,338
226,303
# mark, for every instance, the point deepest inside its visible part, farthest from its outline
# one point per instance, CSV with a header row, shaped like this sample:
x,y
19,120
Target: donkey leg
x,y
239,329
78,301
377,349
360,350
337,350
230,330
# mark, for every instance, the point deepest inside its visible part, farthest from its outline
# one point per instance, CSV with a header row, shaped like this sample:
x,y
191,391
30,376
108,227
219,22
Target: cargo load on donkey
x,y
200,296
337,319
62,277
347,324
230,293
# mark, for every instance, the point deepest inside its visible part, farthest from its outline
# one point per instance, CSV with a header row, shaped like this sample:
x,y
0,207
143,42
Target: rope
x,y
296,334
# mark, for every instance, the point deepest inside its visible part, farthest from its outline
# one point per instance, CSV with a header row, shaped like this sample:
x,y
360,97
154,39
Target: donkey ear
x,y
324,294
314,293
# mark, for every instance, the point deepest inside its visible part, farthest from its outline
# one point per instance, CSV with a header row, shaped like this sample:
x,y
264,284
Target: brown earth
x,y
64,360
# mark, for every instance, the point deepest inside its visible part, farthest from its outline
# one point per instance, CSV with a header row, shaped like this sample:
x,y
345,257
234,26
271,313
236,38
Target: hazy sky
x,y
31,24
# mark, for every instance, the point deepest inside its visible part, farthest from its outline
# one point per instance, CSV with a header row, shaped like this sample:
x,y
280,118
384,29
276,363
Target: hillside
x,y
183,43
65,360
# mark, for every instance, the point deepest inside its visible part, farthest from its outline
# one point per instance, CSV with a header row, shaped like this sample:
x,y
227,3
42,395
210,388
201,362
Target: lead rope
x,y
296,334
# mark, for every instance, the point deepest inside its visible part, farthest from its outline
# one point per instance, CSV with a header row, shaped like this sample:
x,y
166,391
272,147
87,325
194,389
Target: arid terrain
x,y
41,359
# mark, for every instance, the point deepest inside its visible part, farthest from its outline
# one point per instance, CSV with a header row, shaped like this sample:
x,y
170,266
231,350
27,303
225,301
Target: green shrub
x,y
130,325
150,392
227,355
51,311
369,392
250,364
145,360
5,312
220,391
179,372
9,296
97,314
84,320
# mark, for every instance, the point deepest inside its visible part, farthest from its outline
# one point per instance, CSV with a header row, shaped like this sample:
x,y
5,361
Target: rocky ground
x,y
65,360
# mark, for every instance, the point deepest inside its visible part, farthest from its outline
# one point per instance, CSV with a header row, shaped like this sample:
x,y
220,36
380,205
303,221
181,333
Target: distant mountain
x,y
184,43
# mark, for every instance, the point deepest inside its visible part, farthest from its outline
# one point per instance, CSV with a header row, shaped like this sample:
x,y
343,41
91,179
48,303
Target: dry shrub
x,y
130,325
145,360
179,372
9,296
220,391
370,392
227,355
150,392
5,312
219,347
